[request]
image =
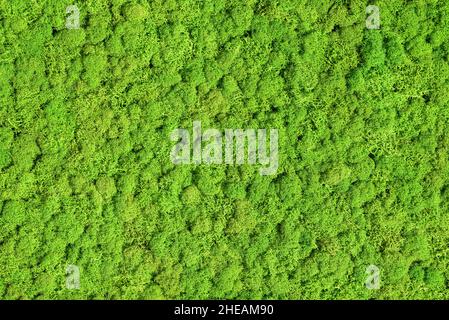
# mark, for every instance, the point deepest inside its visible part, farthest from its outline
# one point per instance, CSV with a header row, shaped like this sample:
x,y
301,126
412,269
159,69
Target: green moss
x,y
85,171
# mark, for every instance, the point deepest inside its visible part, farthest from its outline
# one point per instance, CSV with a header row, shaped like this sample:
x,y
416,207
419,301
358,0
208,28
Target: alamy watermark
x,y
373,20
251,140
73,20
372,282
72,277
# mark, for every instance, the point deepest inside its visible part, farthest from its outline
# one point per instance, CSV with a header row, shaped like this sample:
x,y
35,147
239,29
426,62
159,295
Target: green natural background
x,y
85,171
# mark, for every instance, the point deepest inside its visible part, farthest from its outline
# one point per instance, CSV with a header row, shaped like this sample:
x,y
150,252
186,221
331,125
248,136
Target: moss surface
x,y
85,171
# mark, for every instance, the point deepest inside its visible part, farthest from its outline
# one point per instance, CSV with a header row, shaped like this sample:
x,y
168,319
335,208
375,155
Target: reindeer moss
x,y
85,171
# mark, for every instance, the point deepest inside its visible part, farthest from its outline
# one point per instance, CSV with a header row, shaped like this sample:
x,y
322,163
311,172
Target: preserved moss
x,y
85,171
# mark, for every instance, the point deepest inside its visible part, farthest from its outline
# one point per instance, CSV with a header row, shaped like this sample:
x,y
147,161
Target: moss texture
x,y
85,171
